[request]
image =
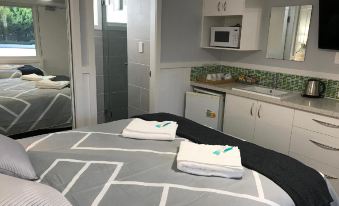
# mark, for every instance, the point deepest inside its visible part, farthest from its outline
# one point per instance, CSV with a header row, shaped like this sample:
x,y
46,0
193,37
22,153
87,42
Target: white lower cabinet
x,y
273,127
239,117
310,138
261,123
315,142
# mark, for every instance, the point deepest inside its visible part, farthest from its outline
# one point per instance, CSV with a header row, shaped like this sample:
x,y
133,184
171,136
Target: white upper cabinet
x,y
224,7
239,117
229,13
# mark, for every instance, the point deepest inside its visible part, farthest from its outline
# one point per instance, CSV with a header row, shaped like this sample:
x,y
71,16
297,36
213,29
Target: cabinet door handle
x,y
259,112
326,147
326,124
252,109
225,6
219,4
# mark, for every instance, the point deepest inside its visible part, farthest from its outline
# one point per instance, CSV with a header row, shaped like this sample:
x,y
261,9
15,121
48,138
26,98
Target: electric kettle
x,y
314,89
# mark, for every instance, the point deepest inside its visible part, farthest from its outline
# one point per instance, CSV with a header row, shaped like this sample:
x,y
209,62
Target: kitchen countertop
x,y
327,107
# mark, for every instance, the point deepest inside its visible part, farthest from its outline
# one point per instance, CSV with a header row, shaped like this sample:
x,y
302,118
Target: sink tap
x,y
275,81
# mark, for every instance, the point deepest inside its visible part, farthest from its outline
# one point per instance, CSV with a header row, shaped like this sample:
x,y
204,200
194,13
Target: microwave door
x,y
221,39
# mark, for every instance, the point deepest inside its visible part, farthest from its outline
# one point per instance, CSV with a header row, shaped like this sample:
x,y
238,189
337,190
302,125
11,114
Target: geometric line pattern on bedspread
x,y
40,112
119,165
27,106
48,108
17,116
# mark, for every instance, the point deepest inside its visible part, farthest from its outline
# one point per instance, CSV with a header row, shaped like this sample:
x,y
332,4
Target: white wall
x,y
138,30
54,41
317,60
180,29
171,90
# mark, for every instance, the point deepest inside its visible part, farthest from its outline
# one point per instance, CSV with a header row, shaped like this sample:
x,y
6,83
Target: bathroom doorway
x,y
112,81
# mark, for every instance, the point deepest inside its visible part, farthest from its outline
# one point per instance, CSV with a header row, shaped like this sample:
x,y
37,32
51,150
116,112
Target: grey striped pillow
x,y
18,192
14,160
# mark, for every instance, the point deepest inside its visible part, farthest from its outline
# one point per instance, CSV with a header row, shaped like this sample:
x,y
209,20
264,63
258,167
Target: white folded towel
x,y
48,84
151,130
35,77
210,160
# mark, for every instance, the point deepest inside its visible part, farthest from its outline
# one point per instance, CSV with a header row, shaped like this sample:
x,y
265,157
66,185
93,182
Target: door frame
x,y
81,27
155,53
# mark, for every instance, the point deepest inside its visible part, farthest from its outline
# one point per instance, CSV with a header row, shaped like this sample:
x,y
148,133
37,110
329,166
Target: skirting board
x,y
299,72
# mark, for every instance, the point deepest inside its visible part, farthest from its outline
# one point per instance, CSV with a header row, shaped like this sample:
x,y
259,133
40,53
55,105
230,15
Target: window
x,y
17,38
116,11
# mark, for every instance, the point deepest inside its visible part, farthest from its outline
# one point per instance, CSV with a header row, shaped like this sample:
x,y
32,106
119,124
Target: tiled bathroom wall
x,y
285,81
139,20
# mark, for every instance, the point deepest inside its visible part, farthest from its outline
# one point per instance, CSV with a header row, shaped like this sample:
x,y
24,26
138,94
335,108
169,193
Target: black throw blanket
x,y
303,184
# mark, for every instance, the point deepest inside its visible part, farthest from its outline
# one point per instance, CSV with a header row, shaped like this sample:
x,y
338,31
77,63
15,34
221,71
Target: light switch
x,y
141,47
337,58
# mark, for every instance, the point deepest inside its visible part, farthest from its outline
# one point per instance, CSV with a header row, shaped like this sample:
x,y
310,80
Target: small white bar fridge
x,y
205,107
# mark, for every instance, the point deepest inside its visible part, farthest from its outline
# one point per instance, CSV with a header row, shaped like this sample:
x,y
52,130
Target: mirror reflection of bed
x,y
35,65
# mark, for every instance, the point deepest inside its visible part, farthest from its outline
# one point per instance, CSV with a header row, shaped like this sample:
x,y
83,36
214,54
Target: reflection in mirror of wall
x,y
288,33
35,66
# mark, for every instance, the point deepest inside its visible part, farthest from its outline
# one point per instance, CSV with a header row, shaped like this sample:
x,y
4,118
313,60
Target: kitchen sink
x,y
264,91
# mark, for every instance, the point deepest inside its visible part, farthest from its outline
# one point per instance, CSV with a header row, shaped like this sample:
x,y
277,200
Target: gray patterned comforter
x,y
96,166
9,74
24,108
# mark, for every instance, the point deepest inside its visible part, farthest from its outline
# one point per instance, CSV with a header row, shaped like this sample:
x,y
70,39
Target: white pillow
x,y
15,191
14,160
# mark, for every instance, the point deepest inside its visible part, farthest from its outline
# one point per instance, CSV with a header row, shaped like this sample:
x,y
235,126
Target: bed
x,y
10,74
96,166
24,108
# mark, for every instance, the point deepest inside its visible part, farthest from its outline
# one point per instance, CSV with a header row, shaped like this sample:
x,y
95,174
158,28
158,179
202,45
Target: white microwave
x,y
228,37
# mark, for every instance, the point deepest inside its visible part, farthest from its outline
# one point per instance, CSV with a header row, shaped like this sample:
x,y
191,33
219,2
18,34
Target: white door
x,y
213,7
239,117
273,127
232,7
203,109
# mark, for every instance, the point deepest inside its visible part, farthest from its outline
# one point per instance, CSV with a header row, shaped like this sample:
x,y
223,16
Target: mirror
x,y
288,32
35,68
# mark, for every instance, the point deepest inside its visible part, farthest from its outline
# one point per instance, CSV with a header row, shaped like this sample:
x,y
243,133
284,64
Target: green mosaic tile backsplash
x,y
285,81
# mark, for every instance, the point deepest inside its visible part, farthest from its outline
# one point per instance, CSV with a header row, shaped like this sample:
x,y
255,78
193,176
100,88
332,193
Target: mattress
x,y
24,108
96,166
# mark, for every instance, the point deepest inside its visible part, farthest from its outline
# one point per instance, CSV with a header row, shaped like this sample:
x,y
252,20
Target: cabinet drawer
x,y
331,173
319,147
317,123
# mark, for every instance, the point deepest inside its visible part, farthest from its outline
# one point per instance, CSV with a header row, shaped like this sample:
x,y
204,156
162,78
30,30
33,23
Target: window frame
x,y
26,59
106,25
99,14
